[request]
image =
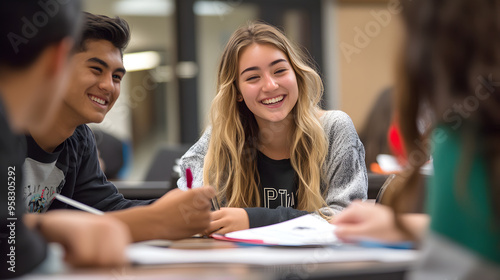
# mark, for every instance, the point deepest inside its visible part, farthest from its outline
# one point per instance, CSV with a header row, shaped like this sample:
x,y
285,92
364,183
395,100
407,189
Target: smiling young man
x,y
63,157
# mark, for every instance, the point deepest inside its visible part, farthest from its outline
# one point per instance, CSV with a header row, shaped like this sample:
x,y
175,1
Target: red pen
x,y
189,178
189,181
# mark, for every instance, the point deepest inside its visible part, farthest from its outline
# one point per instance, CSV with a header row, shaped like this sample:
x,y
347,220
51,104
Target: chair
x,y
375,183
112,151
161,168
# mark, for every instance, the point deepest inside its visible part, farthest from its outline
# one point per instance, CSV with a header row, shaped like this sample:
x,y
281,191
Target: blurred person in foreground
x,y
37,38
451,72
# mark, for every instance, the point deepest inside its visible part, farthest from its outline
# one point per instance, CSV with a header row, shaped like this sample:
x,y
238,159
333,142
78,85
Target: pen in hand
x,y
189,178
189,182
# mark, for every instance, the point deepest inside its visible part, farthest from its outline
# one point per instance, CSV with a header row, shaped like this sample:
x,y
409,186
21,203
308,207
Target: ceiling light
x,y
144,7
141,61
211,8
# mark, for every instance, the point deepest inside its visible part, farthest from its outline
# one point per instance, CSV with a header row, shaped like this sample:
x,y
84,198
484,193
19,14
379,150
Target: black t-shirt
x,y
278,192
278,185
29,247
72,170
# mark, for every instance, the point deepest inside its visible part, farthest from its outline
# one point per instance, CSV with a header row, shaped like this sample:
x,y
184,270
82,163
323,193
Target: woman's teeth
x,y
273,100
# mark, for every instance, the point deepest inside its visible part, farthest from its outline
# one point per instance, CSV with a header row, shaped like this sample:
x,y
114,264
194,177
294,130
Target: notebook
x,y
308,230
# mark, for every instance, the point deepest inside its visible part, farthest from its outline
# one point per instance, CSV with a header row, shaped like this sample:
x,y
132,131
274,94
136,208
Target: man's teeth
x,y
98,100
273,100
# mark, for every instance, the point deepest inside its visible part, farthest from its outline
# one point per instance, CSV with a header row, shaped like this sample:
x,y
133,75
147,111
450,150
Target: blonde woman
x,y
271,153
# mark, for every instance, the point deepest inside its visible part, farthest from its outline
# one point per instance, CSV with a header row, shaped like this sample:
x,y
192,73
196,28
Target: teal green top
x,y
465,219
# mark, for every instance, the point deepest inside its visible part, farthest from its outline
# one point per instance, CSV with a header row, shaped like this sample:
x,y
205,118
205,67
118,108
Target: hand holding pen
x,y
225,220
177,214
189,182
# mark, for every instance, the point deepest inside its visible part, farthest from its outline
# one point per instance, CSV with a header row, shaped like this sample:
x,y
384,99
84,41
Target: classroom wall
x,y
213,34
368,34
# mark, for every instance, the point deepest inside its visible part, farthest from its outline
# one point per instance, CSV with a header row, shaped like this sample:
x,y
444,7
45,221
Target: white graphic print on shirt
x,y
42,181
280,195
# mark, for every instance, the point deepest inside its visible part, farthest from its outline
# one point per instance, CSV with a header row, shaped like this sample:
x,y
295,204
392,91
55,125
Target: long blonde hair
x,y
231,161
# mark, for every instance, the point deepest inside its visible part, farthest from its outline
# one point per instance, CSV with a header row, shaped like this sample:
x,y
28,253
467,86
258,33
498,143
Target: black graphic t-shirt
x,y
72,170
278,192
278,186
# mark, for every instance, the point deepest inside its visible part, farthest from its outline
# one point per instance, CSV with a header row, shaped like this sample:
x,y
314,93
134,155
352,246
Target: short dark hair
x,y
101,27
27,27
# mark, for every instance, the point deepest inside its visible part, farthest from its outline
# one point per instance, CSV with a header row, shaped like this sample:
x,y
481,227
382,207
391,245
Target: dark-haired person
x,y
63,158
32,74
450,71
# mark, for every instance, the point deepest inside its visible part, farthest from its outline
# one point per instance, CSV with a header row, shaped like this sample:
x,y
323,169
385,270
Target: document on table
x,y
302,231
148,255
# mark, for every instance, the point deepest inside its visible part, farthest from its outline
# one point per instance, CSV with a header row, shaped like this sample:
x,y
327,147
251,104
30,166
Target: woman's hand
x,y
228,219
363,220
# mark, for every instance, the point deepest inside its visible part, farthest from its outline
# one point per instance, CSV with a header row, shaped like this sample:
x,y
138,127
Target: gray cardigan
x,y
344,169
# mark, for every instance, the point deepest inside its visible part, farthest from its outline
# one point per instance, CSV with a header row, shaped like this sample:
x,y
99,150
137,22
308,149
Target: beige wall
x,y
365,67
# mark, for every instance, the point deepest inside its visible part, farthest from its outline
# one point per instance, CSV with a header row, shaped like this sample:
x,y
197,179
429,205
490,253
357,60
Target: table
x,y
347,270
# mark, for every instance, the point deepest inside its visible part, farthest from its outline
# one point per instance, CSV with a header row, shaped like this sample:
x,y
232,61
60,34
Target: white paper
x,y
147,255
304,230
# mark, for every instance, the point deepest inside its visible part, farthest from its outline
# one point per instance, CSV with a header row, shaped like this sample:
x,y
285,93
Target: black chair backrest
x,y
111,151
161,166
375,182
